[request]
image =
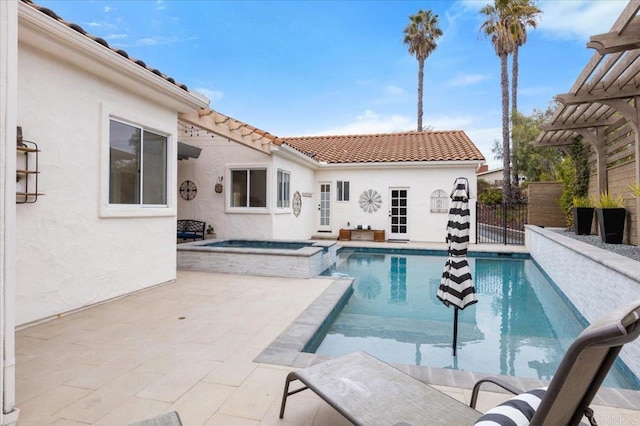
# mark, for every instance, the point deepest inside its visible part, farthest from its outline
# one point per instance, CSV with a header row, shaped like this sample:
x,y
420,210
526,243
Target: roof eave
x,y
404,164
100,60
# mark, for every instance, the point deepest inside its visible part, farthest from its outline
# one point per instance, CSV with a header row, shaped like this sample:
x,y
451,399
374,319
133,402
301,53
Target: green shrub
x,y
490,195
581,202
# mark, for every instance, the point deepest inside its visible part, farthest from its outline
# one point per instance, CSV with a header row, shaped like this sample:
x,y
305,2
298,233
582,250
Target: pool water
x,y
519,327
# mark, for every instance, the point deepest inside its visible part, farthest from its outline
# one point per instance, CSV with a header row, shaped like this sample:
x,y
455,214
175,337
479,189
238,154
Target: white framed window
x,y
439,201
248,188
138,166
284,183
342,190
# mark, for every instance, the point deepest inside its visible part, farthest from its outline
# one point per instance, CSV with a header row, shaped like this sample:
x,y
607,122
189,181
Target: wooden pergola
x,y
230,128
604,97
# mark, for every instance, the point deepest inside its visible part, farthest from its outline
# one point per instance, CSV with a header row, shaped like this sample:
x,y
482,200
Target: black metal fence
x,y
501,223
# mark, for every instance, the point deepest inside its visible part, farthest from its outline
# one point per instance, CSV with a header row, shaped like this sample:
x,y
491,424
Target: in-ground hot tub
x,y
273,258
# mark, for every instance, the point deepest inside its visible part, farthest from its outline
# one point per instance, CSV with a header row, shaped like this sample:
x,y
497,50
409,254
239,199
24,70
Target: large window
x,y
248,188
283,188
137,165
342,194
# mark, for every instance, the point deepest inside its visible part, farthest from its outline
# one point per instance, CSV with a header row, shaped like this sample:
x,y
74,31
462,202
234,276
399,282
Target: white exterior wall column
x,y
8,123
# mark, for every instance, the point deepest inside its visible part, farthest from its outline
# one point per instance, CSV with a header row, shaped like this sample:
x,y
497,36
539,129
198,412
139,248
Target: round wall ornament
x,y
188,190
297,204
370,201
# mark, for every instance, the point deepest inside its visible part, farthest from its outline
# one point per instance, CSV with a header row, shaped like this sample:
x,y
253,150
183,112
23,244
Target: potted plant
x,y
636,189
582,215
210,232
611,216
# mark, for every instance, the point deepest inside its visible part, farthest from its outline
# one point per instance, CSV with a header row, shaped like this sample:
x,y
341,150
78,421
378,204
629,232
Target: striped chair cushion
x,y
514,412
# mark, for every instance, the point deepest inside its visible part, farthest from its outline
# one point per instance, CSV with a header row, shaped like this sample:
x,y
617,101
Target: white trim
x,y
128,116
8,122
227,189
294,155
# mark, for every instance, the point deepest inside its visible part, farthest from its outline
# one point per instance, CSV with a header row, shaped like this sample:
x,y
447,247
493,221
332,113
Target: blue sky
x,y
297,68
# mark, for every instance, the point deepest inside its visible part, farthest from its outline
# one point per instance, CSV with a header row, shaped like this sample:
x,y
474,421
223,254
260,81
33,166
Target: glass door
x,y
324,208
398,214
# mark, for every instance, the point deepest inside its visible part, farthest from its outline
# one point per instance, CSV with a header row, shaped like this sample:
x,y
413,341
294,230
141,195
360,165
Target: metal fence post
x,y
504,221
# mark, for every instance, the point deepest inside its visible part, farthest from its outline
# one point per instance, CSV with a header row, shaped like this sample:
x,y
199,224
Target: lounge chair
x,y
368,391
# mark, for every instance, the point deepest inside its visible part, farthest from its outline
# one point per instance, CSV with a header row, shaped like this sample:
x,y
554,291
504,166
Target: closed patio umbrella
x,y
456,286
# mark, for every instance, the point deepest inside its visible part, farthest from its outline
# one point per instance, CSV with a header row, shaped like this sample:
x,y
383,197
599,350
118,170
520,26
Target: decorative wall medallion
x,y
370,201
297,204
188,190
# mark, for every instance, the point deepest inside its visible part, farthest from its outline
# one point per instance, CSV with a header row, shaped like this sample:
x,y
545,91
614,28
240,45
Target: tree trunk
x,y
420,85
514,82
514,100
506,151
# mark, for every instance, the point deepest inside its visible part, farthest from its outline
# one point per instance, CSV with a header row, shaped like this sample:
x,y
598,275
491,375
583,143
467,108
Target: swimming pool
x,y
520,326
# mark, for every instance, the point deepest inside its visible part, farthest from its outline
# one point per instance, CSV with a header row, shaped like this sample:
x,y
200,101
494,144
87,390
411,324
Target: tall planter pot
x,y
611,224
582,220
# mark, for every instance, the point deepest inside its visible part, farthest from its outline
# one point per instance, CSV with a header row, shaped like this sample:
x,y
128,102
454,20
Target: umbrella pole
x,y
455,330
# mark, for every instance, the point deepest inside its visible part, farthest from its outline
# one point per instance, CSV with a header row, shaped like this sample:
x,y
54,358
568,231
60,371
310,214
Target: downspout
x,y
8,124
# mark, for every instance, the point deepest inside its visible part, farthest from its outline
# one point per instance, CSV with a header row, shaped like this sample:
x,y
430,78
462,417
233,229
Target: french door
x,y
324,208
398,224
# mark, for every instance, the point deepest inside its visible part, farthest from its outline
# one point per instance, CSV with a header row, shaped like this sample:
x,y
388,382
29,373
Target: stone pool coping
x,y
286,350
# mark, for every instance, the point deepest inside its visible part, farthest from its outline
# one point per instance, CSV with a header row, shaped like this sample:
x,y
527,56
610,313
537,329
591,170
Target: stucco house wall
x,y
420,181
73,249
217,158
285,224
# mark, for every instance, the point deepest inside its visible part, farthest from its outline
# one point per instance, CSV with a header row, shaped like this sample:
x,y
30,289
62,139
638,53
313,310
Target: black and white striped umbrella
x,y
456,286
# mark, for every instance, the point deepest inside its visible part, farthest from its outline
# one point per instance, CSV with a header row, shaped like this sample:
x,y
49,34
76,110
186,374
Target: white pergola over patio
x,y
605,96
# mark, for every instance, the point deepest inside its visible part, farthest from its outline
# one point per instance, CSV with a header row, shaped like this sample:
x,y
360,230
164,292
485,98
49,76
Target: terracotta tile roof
x,y
388,147
102,42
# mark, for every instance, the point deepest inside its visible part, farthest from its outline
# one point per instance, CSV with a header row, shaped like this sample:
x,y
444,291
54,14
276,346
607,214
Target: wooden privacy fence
x,y
544,204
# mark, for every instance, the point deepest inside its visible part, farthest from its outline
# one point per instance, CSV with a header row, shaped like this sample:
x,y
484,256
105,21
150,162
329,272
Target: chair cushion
x,y
514,412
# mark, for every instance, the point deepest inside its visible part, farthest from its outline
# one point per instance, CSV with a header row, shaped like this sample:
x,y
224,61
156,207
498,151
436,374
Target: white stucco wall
x,y
420,183
285,224
69,254
217,155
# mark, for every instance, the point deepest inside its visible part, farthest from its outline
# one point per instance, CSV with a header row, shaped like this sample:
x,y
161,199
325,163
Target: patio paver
x,y
187,346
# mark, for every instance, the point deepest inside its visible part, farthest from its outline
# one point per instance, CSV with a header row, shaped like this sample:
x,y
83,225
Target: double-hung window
x,y
342,193
137,165
284,179
248,188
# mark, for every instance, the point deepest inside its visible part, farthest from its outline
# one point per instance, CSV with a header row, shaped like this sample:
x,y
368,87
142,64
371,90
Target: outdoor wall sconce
x,y
218,187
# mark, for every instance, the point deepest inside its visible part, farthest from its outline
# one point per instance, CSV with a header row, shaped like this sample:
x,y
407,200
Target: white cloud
x,y
578,19
484,139
93,24
212,94
394,90
371,122
152,41
464,79
116,36
108,9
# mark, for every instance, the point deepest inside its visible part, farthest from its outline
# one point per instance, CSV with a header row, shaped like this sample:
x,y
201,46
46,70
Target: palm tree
x,y
524,14
497,28
420,35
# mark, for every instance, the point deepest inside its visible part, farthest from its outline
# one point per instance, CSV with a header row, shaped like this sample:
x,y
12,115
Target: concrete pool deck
x,y
188,346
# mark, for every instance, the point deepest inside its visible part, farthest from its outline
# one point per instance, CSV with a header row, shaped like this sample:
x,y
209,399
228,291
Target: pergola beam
x,y
614,42
598,95
579,125
221,125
